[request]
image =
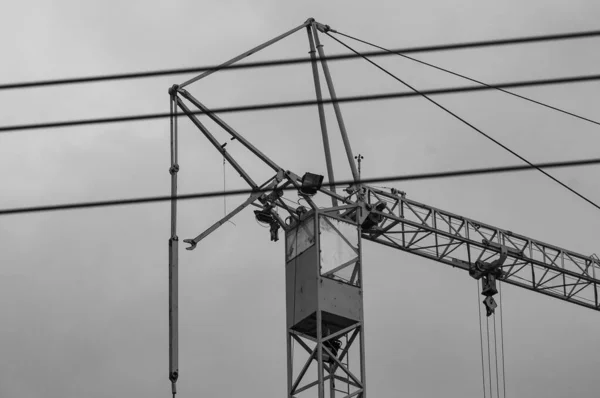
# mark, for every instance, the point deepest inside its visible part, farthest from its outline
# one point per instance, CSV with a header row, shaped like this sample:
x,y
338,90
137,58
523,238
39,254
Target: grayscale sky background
x,y
83,294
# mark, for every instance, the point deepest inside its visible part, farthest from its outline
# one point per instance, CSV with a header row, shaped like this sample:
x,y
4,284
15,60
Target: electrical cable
x,y
291,61
303,103
481,338
212,194
471,79
471,126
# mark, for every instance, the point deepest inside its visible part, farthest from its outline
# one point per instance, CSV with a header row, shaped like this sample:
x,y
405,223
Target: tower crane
x,y
323,245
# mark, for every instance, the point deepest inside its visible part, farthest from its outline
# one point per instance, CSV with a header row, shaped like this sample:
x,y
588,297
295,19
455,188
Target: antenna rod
x,y
359,158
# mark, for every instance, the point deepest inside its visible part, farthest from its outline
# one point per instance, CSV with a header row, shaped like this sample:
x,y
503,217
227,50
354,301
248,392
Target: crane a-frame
x,y
323,247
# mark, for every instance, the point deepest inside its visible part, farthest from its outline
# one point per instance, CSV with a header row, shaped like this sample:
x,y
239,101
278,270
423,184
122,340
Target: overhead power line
x,y
301,103
469,78
212,194
293,61
464,121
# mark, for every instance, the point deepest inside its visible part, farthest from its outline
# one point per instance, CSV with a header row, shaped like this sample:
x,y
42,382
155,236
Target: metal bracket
x,y
322,28
489,272
479,269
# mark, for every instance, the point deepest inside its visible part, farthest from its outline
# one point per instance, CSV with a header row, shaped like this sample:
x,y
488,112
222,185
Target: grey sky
x,y
83,294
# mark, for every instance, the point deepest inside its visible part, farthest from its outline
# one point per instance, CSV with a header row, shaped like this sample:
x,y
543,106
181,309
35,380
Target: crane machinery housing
x,y
323,246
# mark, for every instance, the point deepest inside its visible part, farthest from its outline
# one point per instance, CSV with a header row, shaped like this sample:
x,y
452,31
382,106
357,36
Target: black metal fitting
x,y
322,28
174,169
274,231
333,346
301,210
397,192
173,89
490,305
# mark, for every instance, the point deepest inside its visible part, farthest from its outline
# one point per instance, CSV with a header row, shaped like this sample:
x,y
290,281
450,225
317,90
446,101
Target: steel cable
x,y
496,357
487,327
470,125
471,79
481,339
502,340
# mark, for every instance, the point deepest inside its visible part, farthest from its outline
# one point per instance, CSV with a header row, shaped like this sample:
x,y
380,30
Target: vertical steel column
x,y
290,374
332,383
321,384
322,120
363,373
363,376
320,378
173,254
336,106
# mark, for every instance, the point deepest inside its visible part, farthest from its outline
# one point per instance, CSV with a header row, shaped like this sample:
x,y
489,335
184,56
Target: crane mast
x,y
323,247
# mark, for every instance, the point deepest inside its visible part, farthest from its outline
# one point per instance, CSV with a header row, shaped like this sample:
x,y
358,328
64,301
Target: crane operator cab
x,y
323,276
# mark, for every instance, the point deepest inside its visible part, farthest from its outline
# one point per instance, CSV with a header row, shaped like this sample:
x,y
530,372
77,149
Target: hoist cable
x,y
481,339
502,340
470,79
487,324
469,124
496,356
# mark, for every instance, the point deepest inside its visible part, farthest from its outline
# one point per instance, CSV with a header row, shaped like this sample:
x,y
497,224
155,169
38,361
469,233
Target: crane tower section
x,y
324,304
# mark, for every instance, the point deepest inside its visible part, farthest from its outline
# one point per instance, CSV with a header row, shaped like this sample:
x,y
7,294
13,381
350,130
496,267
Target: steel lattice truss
x,y
460,242
342,371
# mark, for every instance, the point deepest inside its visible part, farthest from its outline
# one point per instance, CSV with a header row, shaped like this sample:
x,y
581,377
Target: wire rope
x,y
481,339
473,80
496,357
502,340
487,323
471,126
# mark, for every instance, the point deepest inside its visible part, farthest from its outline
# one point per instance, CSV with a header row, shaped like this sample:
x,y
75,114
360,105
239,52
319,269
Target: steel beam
x,y
216,144
246,54
230,130
336,105
253,197
322,120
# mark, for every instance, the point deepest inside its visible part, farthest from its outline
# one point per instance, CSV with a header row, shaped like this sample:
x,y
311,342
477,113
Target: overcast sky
x,y
83,294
